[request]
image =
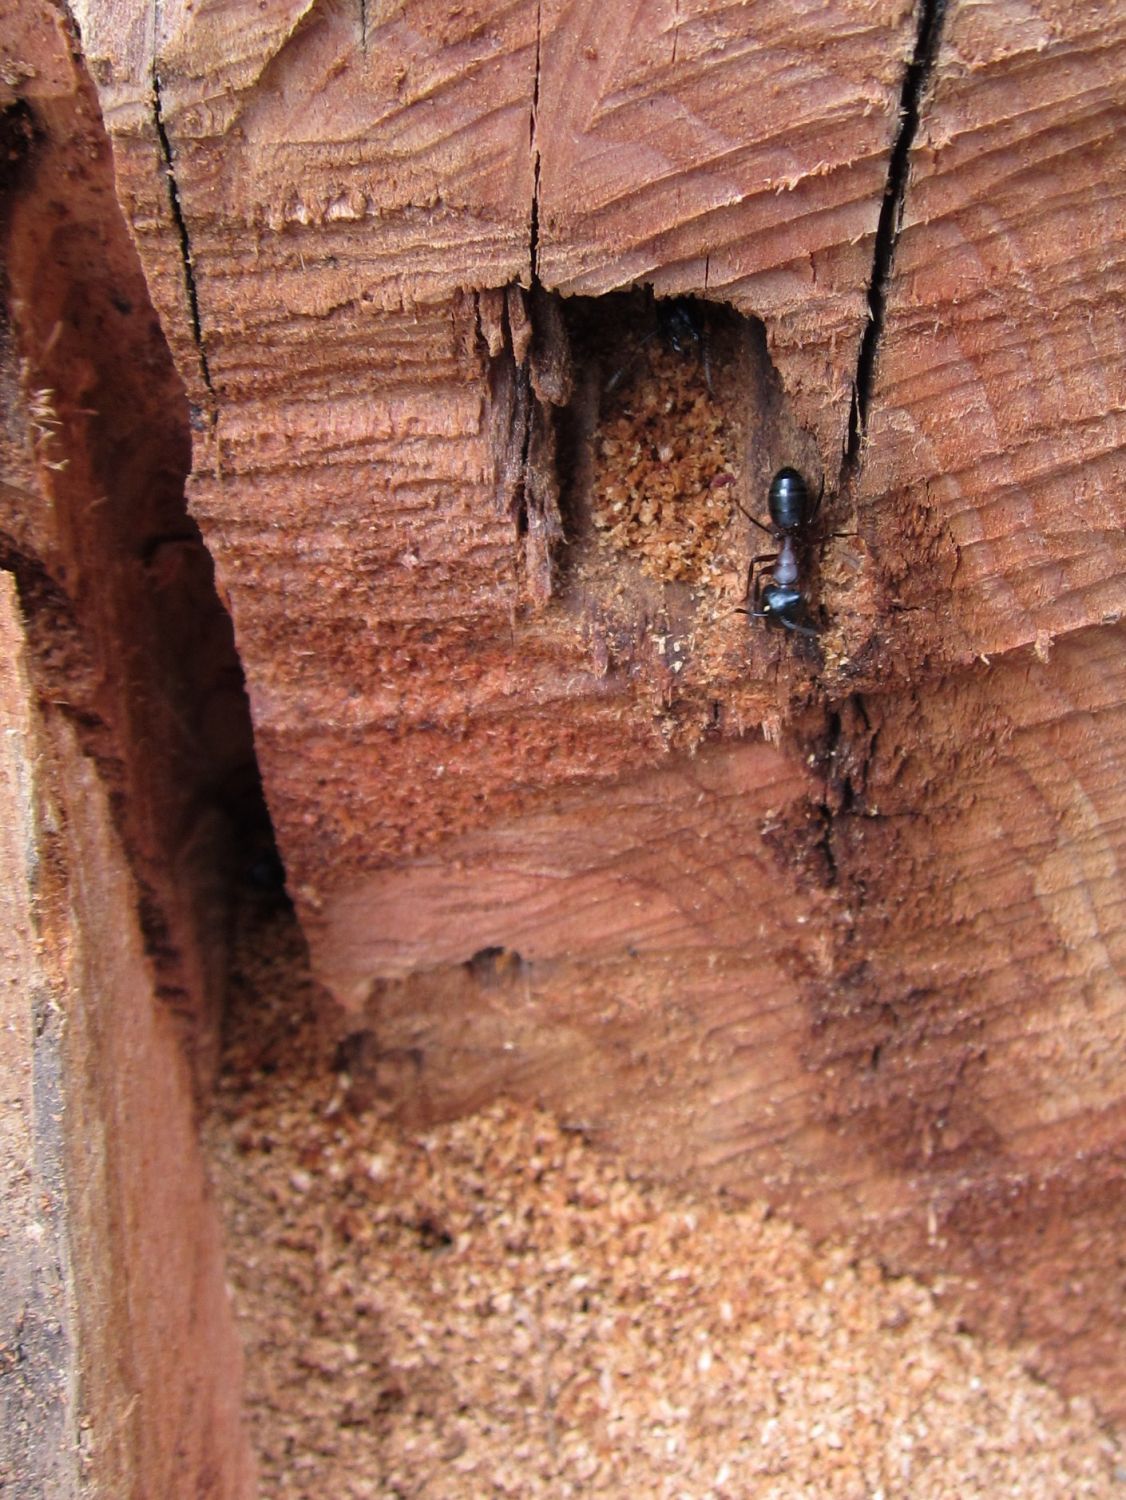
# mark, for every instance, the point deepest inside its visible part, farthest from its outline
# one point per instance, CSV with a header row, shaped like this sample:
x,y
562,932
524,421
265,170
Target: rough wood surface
x,y
127,764
737,153
997,425
38,1433
116,586
465,697
121,1366
499,1306
346,450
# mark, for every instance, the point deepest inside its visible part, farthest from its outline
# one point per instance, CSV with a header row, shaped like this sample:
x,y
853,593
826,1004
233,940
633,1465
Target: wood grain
x,y
739,152
921,1019
336,185
998,418
115,582
971,1044
128,1373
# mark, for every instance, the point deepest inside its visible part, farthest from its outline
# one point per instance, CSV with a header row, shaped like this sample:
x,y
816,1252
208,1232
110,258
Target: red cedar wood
x,y
890,994
112,1255
112,904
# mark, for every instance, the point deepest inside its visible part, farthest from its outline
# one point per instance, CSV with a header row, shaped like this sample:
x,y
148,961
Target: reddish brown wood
x,y
996,438
123,1366
876,969
131,640
983,969
354,446
743,156
125,752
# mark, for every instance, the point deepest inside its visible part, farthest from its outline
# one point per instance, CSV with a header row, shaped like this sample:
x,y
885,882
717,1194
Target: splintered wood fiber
x,y
493,1307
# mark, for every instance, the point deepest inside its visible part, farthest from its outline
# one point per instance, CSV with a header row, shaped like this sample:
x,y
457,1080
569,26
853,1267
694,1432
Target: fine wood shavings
x,y
665,467
493,1307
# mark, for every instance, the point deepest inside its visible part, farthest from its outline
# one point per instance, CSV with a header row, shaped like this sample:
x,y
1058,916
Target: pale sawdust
x,y
666,466
493,1307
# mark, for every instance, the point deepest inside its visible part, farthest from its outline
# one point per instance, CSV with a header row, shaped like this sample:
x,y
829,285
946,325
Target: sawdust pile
x,y
665,469
666,455
495,1308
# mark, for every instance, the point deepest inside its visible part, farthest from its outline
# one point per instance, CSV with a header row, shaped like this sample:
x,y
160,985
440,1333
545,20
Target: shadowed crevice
x,y
915,83
534,230
182,231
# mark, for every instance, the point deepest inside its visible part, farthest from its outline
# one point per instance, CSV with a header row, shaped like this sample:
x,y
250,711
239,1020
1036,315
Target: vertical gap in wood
x,y
525,400
181,229
534,235
127,634
915,81
17,135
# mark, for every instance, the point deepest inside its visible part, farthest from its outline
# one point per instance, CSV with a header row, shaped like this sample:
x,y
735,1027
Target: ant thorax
x,y
785,569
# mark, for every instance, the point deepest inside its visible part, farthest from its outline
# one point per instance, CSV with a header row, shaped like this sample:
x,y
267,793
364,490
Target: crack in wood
x,y
915,80
182,230
533,129
847,748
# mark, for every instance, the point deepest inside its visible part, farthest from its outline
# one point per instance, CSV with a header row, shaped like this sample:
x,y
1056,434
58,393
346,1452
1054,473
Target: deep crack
x,y
182,229
534,233
915,82
846,752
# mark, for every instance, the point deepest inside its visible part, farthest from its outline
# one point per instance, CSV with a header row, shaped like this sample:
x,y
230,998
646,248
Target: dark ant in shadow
x,y
777,596
682,328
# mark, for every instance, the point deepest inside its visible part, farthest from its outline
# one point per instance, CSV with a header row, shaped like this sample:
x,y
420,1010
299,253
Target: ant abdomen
x,y
789,500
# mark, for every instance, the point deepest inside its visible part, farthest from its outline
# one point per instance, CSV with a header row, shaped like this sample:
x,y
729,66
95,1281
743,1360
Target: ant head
x,y
679,325
779,600
786,608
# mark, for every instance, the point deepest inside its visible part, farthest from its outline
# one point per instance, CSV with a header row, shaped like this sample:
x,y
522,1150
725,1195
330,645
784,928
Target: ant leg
x,y
755,588
686,326
760,524
764,561
751,594
623,370
817,502
796,628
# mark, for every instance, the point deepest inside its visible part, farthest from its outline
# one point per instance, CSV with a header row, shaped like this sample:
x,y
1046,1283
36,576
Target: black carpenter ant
x,y
681,327
776,595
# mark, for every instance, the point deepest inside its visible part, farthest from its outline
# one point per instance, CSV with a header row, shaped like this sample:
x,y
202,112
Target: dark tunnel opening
x,y
130,640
